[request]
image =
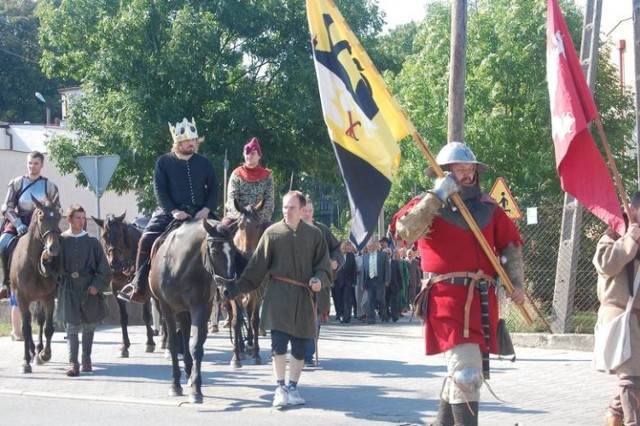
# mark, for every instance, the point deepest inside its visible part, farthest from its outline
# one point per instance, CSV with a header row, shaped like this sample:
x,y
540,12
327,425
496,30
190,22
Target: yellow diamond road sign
x,y
500,192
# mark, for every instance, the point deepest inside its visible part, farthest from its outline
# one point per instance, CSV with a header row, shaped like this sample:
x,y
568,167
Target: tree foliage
x,y
241,68
507,119
20,75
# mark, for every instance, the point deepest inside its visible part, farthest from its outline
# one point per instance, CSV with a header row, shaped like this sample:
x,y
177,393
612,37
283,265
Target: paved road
x,y
375,374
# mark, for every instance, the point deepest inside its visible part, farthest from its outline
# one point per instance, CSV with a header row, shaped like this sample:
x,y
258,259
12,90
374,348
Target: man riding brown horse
x,y
18,208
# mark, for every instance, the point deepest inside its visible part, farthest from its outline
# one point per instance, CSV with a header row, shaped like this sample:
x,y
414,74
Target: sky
x,y
403,11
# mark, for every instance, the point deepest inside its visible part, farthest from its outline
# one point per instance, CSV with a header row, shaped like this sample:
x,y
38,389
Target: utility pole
x,y
457,70
569,249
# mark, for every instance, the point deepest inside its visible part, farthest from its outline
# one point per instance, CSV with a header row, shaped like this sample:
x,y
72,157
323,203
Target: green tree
x,y
507,104
20,75
241,68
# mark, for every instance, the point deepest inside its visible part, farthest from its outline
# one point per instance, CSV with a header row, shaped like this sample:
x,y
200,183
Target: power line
x,y
19,56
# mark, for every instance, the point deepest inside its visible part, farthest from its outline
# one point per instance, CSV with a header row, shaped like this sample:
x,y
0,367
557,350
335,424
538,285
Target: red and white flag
x,y
582,170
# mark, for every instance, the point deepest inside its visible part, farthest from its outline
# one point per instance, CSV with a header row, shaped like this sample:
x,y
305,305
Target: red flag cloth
x,y
581,168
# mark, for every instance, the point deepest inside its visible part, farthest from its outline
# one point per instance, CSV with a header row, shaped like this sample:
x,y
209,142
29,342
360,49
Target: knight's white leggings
x,y
464,378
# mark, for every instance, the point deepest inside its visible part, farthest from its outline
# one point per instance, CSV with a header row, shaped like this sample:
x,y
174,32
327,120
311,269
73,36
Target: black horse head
x,y
117,242
220,257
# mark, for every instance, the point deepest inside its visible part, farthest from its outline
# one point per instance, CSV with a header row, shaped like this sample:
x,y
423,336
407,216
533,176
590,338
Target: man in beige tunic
x,y
295,257
617,260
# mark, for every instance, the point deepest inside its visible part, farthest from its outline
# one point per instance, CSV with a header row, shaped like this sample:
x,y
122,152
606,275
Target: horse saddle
x,y
175,224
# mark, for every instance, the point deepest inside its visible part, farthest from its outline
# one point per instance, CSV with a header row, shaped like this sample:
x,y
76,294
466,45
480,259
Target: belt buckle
x,y
75,275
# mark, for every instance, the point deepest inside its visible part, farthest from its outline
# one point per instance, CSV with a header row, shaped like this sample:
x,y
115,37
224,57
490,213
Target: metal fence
x,y
541,247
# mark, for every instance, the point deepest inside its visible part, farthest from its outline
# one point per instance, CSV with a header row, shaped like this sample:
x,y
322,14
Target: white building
x,y
17,140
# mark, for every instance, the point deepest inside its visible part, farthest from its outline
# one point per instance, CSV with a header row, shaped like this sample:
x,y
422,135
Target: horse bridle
x,y
42,268
43,236
128,262
215,276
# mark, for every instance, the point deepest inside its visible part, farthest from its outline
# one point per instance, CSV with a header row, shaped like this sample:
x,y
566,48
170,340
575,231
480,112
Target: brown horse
x,y
33,279
186,271
120,241
248,230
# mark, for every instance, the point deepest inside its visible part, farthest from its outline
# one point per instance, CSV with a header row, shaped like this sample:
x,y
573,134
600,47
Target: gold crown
x,y
184,130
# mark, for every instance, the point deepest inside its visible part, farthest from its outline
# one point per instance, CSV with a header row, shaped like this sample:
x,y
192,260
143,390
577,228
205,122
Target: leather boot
x,y
141,280
87,343
139,283
4,268
74,345
465,414
445,415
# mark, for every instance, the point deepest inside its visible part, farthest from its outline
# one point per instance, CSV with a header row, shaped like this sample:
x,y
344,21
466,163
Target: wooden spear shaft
x,y
614,170
488,250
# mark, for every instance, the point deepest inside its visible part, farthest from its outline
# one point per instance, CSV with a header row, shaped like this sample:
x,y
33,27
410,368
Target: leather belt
x,y
457,278
75,275
290,281
454,280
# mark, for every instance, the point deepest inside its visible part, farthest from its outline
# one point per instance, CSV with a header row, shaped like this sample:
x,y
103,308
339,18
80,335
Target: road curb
x,y
572,342
93,398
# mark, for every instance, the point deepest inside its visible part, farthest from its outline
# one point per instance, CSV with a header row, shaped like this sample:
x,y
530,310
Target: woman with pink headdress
x,y
248,184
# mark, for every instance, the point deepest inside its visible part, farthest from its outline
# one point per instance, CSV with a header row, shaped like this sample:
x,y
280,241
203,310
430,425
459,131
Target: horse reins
x,y
42,236
314,306
217,277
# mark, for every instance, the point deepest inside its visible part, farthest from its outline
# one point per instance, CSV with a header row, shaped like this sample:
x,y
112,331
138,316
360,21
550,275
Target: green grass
x,y
5,329
583,323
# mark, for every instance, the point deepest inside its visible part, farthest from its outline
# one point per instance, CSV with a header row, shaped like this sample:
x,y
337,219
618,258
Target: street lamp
x,y
47,110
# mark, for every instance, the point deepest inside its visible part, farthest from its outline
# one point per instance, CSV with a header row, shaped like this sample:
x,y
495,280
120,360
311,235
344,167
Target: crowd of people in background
x,y
355,292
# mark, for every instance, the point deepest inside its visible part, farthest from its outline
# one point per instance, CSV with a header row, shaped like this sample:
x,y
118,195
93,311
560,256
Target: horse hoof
x,y
235,363
195,399
257,361
45,356
175,391
150,348
26,369
124,353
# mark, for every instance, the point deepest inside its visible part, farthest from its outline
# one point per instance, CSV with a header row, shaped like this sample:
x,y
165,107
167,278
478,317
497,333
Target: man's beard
x,y
186,150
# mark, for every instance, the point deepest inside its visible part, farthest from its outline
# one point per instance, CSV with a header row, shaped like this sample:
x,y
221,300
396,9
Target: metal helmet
x,y
455,152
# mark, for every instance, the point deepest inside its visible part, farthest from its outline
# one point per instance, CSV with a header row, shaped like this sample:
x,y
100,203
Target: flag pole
x,y
614,170
488,251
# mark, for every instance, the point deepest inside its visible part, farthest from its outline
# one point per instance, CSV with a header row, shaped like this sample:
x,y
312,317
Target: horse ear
x,y
36,202
99,222
121,218
207,226
237,205
259,205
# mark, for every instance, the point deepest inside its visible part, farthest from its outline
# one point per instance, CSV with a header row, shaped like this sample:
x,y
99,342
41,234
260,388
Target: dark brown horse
x,y
186,271
34,280
120,241
248,230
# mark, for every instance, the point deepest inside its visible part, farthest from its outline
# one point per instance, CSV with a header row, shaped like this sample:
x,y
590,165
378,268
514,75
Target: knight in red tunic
x,y
459,276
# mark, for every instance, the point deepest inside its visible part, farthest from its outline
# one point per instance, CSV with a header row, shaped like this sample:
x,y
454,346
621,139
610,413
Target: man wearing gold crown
x,y
185,187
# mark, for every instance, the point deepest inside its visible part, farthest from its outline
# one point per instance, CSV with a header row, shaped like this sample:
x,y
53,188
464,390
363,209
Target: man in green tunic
x,y
323,299
295,257
84,271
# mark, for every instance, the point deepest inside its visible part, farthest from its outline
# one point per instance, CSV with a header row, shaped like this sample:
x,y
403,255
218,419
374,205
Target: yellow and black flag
x,y
364,120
